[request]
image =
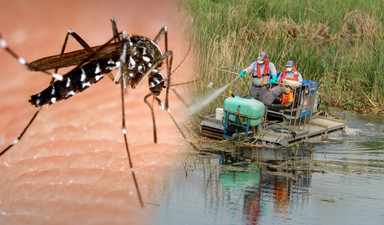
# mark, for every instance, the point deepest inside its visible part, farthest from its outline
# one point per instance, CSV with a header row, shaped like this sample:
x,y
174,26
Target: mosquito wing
x,y
76,57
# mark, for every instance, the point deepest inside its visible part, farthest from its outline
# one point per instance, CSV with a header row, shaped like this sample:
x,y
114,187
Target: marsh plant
x,y
338,43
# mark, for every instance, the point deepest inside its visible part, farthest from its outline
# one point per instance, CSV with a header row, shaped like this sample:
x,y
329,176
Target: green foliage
x,y
370,71
336,42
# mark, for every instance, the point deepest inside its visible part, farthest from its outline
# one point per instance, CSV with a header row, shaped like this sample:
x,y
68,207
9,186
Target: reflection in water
x,y
274,177
337,182
236,188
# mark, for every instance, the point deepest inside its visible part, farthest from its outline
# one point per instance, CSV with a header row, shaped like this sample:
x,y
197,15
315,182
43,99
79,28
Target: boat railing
x,y
298,114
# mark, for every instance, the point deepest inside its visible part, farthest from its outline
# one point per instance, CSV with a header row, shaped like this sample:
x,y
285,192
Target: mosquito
x,y
134,57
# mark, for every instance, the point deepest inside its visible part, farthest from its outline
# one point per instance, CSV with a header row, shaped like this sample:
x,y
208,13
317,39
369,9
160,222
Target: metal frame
x,y
237,122
300,120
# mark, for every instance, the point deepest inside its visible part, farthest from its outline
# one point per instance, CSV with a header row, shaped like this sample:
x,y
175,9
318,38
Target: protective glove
x,y
242,73
273,80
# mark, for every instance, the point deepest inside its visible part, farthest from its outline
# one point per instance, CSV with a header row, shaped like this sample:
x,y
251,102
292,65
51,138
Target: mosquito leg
x,y
168,59
168,56
172,87
179,96
124,130
114,30
22,61
90,56
153,117
169,66
126,143
163,31
122,70
54,75
22,133
78,39
182,61
180,130
176,124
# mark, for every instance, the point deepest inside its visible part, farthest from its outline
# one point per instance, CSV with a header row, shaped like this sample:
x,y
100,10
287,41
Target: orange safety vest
x,y
295,75
266,67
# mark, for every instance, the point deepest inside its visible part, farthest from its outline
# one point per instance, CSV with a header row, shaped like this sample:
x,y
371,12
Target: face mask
x,y
260,62
289,69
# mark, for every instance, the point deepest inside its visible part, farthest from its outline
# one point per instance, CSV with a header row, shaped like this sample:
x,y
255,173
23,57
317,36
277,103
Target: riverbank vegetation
x,y
338,43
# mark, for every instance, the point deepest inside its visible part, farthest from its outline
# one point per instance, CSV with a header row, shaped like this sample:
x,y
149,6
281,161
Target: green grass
x,y
336,42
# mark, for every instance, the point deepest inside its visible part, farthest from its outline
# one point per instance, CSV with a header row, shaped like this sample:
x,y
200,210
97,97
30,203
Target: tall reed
x,y
336,42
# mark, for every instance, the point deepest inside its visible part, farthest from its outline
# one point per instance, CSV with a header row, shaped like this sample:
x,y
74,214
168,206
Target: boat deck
x,y
281,133
285,134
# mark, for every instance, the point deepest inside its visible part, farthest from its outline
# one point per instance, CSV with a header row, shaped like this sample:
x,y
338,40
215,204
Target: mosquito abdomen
x,y
73,83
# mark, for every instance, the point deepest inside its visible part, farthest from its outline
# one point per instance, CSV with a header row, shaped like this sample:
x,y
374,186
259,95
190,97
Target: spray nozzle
x,y
210,85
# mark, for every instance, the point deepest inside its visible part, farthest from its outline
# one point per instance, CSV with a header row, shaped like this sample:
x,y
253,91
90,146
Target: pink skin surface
x,y
71,165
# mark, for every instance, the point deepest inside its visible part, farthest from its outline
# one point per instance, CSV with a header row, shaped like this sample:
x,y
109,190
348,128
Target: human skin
x,y
71,165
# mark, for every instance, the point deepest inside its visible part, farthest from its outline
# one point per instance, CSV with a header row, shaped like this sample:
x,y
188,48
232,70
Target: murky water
x,y
339,182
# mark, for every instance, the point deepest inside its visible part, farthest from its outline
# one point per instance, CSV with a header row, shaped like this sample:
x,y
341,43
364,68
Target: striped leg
x,y
22,61
169,54
176,124
153,117
168,60
164,32
22,133
123,57
123,127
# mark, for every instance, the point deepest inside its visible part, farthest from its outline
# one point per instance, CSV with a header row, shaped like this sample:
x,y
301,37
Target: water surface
x,y
337,182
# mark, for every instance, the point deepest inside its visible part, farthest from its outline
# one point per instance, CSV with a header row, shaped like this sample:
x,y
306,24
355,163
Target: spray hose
x,y
245,80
